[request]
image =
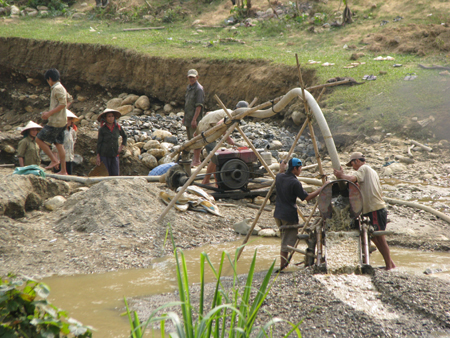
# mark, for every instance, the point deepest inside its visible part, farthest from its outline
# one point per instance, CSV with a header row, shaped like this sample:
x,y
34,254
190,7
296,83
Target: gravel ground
x,y
112,226
400,305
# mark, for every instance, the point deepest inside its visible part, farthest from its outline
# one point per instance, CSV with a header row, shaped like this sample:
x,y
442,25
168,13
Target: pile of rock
x,y
14,11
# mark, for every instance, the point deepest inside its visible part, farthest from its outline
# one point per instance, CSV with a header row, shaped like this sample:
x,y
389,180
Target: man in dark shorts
x,y
374,206
288,188
53,131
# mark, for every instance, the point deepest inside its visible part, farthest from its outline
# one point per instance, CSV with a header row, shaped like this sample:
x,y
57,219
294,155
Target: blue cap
x,y
295,162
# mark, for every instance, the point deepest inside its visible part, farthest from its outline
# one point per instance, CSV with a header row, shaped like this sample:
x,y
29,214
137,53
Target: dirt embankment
x,y
160,78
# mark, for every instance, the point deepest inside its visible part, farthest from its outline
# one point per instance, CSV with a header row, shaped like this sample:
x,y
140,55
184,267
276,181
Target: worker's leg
x,y
288,238
62,156
209,170
196,158
54,162
382,246
378,219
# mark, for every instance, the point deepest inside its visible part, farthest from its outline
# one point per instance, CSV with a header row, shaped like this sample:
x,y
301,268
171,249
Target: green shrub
x,y
23,315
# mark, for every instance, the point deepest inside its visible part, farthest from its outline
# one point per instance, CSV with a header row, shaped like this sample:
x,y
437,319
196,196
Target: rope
x,y
273,105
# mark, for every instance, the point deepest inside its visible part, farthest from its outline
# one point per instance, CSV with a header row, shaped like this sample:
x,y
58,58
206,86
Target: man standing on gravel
x,y
288,188
193,106
374,206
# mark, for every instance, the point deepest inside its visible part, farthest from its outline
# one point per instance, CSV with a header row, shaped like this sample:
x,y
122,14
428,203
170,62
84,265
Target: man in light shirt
x,y
374,206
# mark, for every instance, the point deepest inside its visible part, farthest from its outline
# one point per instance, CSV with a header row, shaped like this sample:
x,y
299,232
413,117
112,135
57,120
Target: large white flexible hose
x,y
317,112
215,132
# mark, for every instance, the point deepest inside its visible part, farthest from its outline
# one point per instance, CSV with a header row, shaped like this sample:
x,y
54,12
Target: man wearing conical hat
x,y
28,150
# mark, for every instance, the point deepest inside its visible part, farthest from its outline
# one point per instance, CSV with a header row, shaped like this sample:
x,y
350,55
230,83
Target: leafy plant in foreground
x,y
232,314
23,315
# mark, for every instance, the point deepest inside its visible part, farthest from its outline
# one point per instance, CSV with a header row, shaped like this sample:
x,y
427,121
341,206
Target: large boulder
x,y
22,193
152,144
161,134
142,103
158,153
130,99
124,110
114,103
149,160
54,203
243,227
298,117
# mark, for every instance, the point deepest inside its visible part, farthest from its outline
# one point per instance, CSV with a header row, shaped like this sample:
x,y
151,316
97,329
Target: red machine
x,y
236,167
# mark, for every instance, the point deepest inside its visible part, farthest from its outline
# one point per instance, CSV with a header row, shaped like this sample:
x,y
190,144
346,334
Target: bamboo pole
x,y
142,29
91,180
271,191
337,83
303,252
263,205
250,144
203,139
194,175
316,151
320,95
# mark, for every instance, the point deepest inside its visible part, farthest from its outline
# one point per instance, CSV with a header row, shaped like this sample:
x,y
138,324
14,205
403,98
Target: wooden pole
x,y
263,205
194,175
329,85
316,151
142,29
320,95
271,191
303,252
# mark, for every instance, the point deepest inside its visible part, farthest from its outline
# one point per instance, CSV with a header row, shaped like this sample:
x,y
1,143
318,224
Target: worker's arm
x,y
55,110
340,175
283,165
314,193
198,110
21,162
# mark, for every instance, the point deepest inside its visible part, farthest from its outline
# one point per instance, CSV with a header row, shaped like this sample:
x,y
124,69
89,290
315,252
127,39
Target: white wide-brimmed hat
x,y
116,113
72,115
31,125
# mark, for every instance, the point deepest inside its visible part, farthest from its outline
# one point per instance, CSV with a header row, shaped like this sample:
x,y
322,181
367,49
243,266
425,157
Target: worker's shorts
x,y
190,132
288,234
378,219
52,135
210,147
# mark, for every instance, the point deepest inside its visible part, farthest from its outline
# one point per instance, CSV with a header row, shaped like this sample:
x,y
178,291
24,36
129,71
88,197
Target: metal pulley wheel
x,y
176,177
234,174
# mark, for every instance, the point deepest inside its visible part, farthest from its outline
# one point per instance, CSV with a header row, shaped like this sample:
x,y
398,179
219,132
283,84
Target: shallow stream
x,y
97,299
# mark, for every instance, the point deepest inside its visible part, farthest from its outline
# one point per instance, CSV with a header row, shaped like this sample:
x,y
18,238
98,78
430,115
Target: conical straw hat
x,y
70,114
116,113
30,125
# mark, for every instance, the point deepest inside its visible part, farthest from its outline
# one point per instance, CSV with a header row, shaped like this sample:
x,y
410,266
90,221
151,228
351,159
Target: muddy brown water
x,y
97,299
